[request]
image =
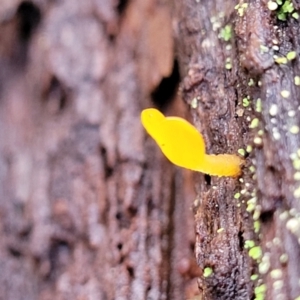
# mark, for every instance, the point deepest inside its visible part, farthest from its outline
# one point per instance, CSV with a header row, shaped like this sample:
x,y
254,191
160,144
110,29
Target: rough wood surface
x,y
89,208
240,96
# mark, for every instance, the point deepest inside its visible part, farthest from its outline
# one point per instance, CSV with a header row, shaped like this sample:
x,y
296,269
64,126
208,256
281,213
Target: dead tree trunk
x,y
240,63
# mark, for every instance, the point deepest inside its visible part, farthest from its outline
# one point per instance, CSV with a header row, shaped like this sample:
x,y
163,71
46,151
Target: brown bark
x,y
89,207
220,77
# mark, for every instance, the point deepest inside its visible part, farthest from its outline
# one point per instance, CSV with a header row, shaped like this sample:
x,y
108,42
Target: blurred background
x,y
89,208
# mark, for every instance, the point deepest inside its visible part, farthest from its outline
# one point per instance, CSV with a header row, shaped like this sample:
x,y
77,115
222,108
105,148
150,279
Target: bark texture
x,y
243,95
89,208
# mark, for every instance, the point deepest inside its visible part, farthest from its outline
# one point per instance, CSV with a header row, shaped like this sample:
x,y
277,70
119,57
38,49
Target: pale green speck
x,y
194,103
278,284
207,272
254,123
263,49
228,66
294,129
280,60
276,274
255,252
285,93
226,33
246,102
258,105
250,207
256,213
297,176
256,226
264,265
297,192
297,80
293,225
241,151
254,277
291,55
249,148
251,82
260,292
237,196
283,258
296,164
241,8
249,244
252,169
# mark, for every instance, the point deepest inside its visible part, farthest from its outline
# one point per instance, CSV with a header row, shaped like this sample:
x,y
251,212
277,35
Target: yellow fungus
x,y
184,146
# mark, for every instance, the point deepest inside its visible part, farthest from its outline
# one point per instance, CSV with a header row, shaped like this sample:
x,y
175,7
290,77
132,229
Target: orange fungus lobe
x,y
184,146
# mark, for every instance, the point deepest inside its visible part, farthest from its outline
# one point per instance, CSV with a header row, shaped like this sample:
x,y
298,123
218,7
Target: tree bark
x,y
89,207
239,73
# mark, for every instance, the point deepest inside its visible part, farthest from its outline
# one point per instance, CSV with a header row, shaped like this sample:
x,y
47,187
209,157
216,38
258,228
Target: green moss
x,y
249,244
226,33
255,252
260,292
286,9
